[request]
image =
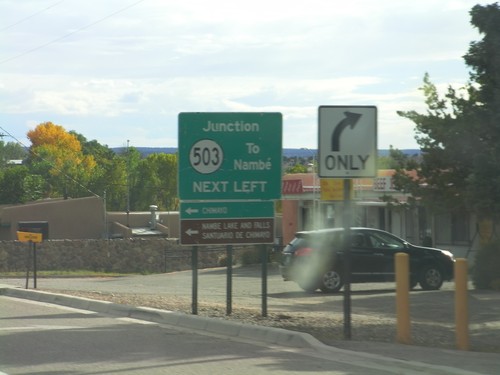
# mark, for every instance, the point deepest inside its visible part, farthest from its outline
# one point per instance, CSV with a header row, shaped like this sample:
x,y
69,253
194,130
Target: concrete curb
x,y
218,326
269,335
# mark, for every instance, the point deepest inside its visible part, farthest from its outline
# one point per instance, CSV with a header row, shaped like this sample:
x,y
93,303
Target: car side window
x,y
382,241
358,240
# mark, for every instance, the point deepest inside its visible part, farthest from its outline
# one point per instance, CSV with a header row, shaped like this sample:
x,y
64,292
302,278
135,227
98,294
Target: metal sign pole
x,y
347,260
264,279
34,264
229,280
28,265
194,268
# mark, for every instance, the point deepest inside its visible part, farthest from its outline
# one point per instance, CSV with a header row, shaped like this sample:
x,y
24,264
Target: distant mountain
x,y
287,152
146,151
306,153
409,152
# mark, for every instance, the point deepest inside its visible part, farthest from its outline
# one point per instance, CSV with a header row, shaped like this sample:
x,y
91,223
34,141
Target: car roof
x,y
331,230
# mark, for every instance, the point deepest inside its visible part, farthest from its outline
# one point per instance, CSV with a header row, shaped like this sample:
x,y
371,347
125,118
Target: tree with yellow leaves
x,y
57,155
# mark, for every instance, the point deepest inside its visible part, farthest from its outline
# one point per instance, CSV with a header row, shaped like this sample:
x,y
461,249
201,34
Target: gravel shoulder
x,y
328,327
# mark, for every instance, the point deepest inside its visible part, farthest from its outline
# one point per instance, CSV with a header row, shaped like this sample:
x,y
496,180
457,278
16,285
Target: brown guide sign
x,y
227,231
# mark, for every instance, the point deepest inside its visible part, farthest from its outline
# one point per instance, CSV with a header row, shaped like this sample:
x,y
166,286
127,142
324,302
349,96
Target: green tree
x,y
12,176
18,185
11,185
11,151
460,140
395,159
459,135
297,168
33,187
131,158
156,182
109,177
483,184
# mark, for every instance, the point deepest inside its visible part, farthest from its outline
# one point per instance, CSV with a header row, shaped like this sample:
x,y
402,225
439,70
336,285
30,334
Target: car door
x,y
383,248
360,255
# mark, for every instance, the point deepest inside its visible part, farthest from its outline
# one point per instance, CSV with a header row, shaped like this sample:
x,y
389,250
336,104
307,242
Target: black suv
x,y
314,259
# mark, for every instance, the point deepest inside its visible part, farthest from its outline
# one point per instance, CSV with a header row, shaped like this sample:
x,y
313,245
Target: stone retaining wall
x,y
134,255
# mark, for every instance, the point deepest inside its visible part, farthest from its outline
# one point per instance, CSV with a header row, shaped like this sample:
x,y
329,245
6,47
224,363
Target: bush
x,y
486,271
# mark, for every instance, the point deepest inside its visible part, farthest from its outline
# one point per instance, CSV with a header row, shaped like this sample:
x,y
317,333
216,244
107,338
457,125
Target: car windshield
x,y
298,242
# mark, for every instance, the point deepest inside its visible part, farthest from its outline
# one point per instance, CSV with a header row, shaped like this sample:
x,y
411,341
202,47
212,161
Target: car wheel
x,y
331,282
431,278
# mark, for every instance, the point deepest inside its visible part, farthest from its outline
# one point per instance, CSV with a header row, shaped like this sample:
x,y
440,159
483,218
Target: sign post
x,y
33,232
347,149
347,260
194,271
32,239
229,280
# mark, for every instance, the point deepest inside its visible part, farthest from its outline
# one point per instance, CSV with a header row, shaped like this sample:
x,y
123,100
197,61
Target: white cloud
x,y
127,73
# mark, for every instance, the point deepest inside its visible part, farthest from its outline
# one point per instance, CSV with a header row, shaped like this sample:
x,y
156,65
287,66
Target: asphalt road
x,y
37,338
246,289
376,299
431,308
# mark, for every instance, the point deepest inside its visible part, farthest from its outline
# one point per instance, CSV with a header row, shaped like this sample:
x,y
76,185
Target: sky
x,y
120,71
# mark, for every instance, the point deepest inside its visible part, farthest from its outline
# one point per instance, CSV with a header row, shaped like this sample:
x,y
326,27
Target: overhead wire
x,y
31,16
31,50
50,162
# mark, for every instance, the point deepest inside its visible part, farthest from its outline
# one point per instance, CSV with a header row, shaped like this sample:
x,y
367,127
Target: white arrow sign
x,y
191,232
347,141
190,210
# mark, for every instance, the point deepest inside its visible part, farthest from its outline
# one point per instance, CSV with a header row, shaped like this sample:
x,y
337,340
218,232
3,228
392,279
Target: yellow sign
x,y
332,189
29,236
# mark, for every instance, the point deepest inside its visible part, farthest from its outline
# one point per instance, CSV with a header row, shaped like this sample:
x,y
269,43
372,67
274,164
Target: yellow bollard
x,y
402,264
461,306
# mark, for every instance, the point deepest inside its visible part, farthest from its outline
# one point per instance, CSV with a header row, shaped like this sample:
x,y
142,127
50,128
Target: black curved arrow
x,y
350,120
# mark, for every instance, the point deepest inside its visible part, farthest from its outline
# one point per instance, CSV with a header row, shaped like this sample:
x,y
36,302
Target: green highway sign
x,y
230,156
226,209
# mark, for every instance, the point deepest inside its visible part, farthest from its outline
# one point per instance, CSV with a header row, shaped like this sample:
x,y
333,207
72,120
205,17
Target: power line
x,y
31,50
51,163
6,133
31,16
